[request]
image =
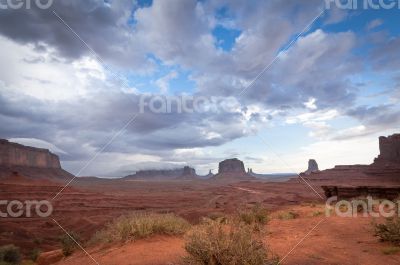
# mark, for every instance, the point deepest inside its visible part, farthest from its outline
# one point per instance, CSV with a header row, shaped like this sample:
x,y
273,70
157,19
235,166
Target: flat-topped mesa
x,y
164,174
233,165
389,148
13,154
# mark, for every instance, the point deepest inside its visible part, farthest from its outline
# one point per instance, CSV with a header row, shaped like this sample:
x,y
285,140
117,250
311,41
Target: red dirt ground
x,y
341,241
89,204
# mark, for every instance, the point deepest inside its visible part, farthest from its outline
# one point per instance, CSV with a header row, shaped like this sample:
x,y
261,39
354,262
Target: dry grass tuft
x,y
141,225
213,243
390,231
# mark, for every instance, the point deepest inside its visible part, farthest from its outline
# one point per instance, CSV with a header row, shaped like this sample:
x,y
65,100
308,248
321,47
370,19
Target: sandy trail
x,y
248,190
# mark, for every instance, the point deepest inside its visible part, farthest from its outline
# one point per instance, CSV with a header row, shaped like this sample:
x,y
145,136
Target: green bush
x,y
213,243
390,231
10,254
68,244
141,225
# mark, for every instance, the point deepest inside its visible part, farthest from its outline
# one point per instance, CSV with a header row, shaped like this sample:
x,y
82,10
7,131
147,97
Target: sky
x,y
133,85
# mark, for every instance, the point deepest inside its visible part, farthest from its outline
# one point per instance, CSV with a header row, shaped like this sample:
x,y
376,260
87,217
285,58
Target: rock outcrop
x,y
233,165
385,171
232,169
389,148
13,154
31,162
312,167
188,174
388,193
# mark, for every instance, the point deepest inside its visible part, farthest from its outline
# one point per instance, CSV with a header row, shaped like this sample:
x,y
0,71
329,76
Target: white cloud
x,y
374,24
39,144
163,82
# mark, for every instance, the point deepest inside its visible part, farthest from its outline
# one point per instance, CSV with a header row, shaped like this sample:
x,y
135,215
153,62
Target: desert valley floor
x,y
88,204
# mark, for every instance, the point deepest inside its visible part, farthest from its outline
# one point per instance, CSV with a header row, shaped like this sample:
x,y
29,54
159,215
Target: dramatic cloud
x,y
72,94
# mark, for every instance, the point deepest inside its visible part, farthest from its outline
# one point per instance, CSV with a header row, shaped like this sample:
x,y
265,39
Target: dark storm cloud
x,y
104,27
94,120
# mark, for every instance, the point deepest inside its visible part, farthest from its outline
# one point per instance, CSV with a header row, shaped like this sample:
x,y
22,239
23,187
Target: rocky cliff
x,y
31,162
13,154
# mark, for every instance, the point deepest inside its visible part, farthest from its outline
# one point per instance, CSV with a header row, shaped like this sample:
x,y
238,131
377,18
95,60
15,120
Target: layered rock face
x,y
389,150
232,170
13,154
30,162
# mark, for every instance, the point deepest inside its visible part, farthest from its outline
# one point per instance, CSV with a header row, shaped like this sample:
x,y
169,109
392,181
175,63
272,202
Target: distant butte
x,y
232,170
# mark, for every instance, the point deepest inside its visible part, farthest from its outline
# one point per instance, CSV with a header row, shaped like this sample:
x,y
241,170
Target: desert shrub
x,y
218,217
213,243
10,254
389,231
317,213
391,250
68,244
34,254
141,225
288,215
256,215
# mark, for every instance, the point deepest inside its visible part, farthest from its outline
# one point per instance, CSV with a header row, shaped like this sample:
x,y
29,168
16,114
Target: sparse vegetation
x,y
391,250
288,215
213,243
317,213
141,225
68,244
34,254
9,254
219,217
389,231
257,215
